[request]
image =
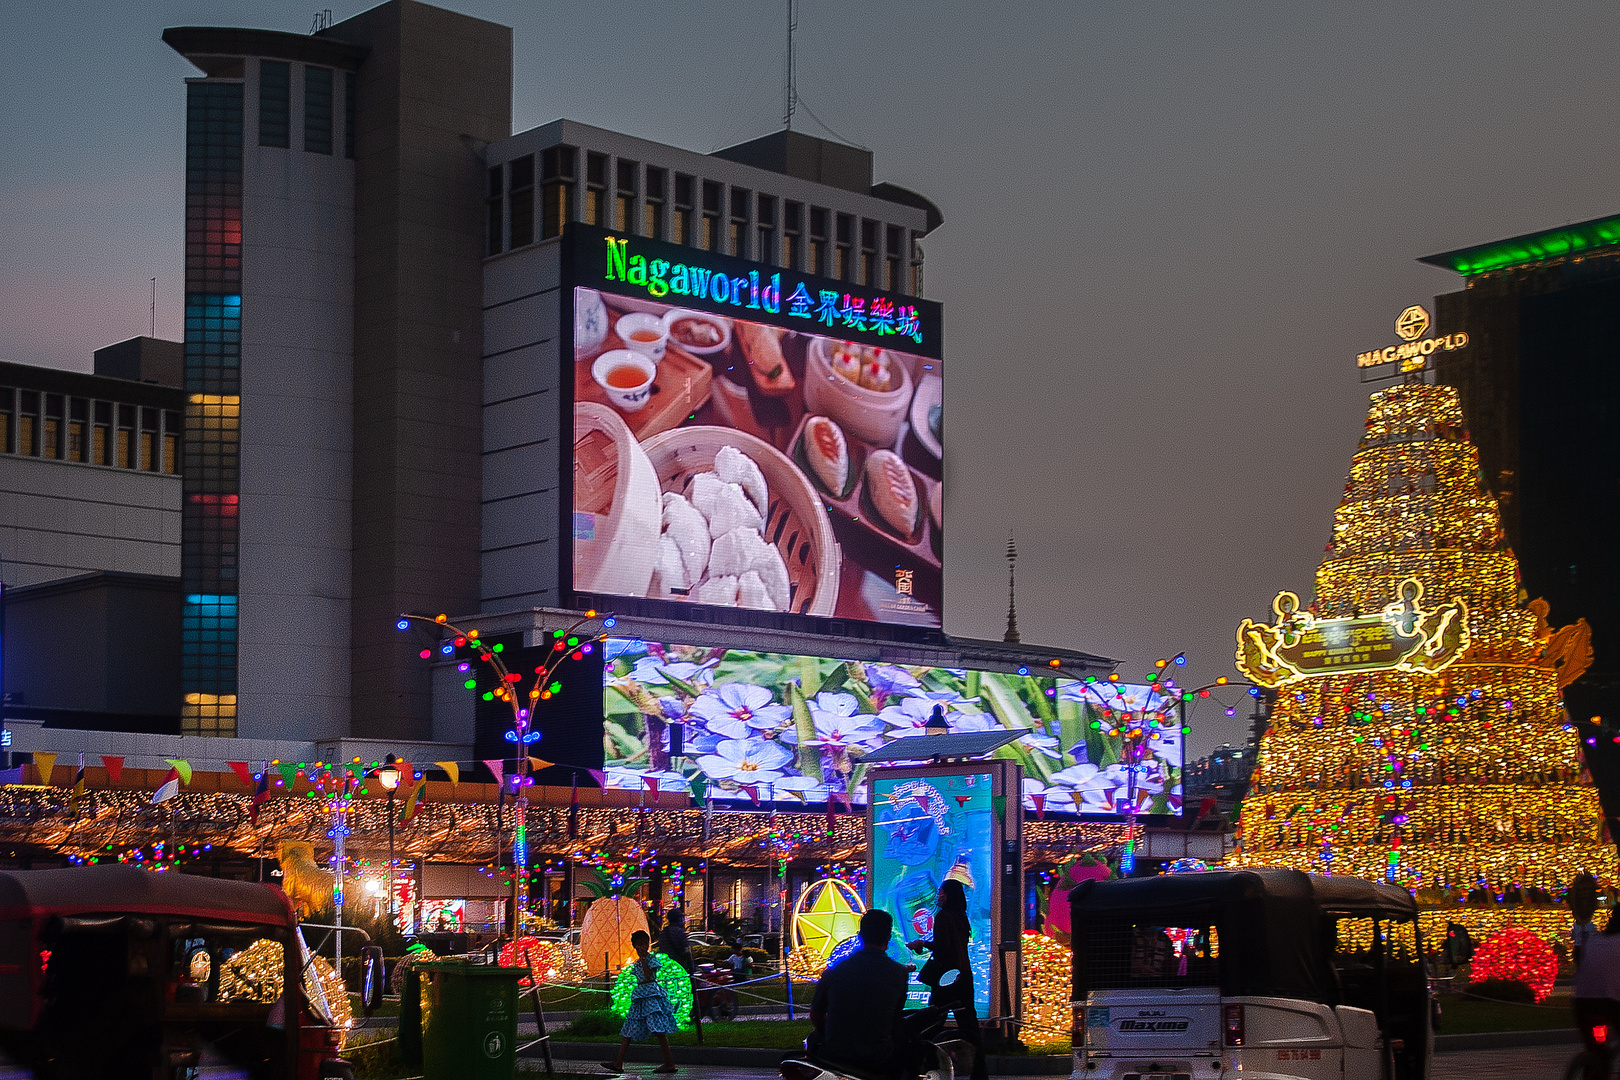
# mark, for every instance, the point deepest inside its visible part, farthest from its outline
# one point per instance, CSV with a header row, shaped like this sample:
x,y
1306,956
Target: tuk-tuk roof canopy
x,y
96,890
1210,889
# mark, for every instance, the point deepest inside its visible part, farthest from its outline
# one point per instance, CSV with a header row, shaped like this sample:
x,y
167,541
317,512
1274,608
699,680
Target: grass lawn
x,y
1461,1015
765,1035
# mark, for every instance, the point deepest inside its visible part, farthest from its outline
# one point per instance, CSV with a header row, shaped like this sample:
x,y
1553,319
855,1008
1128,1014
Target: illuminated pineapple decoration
x,y
1419,734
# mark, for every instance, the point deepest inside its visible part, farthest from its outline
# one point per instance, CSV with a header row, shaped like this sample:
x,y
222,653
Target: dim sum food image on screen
x,y
787,474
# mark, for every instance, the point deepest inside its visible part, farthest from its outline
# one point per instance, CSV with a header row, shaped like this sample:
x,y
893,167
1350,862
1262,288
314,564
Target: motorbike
x,y
937,1058
715,998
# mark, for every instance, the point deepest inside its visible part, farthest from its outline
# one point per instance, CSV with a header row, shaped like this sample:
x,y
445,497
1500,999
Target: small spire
x,y
1011,636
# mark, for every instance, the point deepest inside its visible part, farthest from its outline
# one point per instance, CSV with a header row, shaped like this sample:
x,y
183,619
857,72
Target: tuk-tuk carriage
x,y
115,971
1263,972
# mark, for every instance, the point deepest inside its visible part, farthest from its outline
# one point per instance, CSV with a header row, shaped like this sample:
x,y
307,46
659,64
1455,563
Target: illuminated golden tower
x,y
1419,734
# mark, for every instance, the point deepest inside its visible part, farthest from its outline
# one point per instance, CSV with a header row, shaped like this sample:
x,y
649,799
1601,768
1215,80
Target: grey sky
x,y
1169,228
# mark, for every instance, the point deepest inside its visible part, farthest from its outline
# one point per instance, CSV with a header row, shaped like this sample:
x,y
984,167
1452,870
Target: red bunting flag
x,y
243,773
498,767
752,791
1040,806
652,785
114,767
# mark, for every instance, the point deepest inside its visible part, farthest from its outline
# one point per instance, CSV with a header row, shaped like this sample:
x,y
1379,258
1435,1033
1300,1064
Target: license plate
x,y
1158,1076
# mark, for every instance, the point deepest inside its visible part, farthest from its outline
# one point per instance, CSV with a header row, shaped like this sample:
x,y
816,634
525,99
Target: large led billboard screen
x,y
750,437
735,725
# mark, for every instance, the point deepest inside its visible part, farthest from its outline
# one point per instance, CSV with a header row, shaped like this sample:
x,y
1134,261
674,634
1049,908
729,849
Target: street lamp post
x,y
388,777
522,733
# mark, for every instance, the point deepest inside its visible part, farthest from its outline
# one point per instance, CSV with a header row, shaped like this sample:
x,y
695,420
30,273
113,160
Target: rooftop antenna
x,y
792,100
154,307
1011,636
322,21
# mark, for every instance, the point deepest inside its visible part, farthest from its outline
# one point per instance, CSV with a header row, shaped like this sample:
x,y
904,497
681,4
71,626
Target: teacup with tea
x,y
644,333
626,377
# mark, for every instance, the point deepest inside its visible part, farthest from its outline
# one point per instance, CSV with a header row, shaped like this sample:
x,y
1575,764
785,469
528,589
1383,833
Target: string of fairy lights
x,y
1464,783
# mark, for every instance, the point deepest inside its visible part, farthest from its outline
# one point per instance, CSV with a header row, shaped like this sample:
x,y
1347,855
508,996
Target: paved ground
x,y
1520,1063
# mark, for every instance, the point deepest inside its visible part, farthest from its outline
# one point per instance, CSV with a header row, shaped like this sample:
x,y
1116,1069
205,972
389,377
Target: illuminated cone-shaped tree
x,y
1419,734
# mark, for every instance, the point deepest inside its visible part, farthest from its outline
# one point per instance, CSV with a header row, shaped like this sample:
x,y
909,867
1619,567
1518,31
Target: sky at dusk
x,y
1168,231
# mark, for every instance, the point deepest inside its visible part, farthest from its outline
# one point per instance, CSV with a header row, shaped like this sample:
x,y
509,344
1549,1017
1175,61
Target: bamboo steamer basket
x,y
873,416
619,560
797,523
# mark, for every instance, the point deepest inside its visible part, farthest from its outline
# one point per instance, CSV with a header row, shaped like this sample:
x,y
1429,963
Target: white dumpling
x,y
751,593
772,570
670,579
732,510
689,531
735,553
717,590
704,492
736,467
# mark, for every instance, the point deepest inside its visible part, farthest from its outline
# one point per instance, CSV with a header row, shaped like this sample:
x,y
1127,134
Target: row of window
x,y
275,107
647,200
35,424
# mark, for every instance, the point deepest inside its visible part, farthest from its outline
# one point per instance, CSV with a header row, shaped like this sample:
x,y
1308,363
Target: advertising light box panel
x,y
777,727
926,830
749,437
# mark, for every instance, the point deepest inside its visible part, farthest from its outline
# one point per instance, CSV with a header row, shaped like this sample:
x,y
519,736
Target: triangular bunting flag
x,y
288,771
114,767
922,801
752,791
452,770
43,766
600,776
1040,806
260,794
999,804
652,785
413,801
498,767
243,773
536,764
182,767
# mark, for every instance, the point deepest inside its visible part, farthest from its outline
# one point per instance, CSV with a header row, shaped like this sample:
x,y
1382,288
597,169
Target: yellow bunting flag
x,y
181,766
536,764
44,763
451,769
413,801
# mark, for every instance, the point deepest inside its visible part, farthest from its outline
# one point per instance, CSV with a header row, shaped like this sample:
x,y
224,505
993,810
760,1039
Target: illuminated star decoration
x,y
829,912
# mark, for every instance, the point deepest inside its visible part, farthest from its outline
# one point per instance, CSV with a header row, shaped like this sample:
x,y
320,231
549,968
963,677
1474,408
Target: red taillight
x,y
1232,1021
1600,1033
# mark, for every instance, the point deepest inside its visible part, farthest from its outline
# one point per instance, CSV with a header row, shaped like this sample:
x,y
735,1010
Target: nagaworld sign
x,y
837,309
1413,353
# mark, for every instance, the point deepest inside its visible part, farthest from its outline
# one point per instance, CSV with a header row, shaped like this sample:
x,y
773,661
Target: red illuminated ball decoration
x,y
1515,953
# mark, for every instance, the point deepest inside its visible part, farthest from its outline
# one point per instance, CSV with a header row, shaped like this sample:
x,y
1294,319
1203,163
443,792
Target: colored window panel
x,y
275,103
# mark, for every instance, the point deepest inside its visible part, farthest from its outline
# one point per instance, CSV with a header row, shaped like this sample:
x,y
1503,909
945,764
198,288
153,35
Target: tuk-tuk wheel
x,y
337,1070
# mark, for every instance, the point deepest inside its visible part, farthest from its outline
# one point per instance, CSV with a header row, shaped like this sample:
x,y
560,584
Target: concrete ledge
x,y
999,1065
1497,1040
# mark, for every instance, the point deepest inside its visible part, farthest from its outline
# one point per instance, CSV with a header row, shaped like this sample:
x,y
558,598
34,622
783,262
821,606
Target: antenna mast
x,y
154,307
792,99
1011,636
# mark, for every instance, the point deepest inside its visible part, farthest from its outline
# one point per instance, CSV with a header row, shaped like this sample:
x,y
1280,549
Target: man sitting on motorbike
x,y
856,1010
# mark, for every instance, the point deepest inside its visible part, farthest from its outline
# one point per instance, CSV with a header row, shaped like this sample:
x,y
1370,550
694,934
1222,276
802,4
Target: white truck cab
x,y
1258,974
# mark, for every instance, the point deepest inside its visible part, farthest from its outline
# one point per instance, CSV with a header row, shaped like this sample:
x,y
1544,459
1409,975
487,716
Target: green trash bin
x,y
469,1031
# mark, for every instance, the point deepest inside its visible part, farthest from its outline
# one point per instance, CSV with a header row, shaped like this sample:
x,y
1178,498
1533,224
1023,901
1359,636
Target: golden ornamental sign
x,y
1405,636
1413,353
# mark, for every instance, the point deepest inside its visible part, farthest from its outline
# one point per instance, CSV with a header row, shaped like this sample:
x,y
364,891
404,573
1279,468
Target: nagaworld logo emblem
x,y
663,278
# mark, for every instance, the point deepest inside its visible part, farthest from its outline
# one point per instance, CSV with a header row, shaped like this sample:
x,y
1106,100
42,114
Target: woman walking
x,y
650,1012
949,947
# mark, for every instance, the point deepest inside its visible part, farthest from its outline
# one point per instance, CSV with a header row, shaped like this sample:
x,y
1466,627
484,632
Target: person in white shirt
x,y
1597,986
